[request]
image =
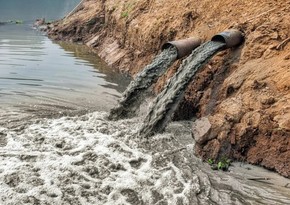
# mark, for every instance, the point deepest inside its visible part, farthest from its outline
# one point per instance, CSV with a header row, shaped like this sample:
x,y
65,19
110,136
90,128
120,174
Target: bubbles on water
x,y
88,160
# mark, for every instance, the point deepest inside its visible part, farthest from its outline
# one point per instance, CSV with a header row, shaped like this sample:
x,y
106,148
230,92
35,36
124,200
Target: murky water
x,y
89,160
43,78
135,94
166,102
86,159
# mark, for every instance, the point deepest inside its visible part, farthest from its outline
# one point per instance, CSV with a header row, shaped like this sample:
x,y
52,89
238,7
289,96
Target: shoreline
x,y
243,93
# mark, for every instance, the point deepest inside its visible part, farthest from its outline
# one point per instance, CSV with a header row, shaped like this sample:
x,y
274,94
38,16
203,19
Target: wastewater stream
x,y
136,92
57,145
165,104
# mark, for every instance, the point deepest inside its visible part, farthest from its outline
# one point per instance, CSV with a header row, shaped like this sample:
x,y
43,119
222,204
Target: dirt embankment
x,y
241,98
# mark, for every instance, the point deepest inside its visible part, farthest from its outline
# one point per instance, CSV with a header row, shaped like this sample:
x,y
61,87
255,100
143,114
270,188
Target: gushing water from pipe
x,y
135,93
166,102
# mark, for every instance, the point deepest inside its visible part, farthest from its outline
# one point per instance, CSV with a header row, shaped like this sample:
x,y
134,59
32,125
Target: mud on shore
x,y
243,94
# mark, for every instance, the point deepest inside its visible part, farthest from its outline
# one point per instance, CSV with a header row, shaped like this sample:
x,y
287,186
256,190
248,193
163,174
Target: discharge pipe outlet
x,y
231,37
184,47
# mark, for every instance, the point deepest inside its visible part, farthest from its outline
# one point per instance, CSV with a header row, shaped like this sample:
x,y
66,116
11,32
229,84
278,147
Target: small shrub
x,y
222,164
210,161
125,14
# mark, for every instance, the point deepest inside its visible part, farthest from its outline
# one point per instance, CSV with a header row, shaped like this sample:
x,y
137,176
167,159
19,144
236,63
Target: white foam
x,y
85,160
88,160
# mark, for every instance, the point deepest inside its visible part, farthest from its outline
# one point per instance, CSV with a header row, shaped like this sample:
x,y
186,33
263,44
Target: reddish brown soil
x,y
243,93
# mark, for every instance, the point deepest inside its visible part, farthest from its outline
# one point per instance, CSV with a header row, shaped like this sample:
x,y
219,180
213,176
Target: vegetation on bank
x,y
17,21
222,164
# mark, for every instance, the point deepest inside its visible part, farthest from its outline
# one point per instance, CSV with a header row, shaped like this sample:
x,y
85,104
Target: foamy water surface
x,y
87,160
90,160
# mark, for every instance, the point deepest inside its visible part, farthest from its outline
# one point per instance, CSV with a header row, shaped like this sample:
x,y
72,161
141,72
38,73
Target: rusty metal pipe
x,y
184,47
231,37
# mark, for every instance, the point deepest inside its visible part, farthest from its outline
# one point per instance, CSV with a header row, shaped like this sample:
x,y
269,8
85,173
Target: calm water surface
x,y
33,9
41,77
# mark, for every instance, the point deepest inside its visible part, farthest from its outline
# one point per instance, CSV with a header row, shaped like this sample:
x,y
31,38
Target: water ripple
x,y
26,79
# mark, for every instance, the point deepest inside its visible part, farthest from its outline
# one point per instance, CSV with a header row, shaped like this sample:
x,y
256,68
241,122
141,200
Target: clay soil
x,y
241,98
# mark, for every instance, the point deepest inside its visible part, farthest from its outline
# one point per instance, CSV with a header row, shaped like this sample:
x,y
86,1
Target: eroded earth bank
x,y
241,98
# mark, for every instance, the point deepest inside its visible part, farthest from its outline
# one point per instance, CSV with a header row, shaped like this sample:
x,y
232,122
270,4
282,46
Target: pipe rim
x,y
231,37
183,46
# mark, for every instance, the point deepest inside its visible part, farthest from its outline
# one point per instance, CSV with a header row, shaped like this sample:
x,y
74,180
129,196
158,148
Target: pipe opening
x,y
166,46
219,38
231,38
184,47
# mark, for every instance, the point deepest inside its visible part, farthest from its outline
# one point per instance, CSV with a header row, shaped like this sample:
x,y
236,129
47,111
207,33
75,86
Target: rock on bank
x,y
243,94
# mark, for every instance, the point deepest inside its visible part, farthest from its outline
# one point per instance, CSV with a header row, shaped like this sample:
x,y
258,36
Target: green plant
x,y
128,7
210,161
125,14
18,21
222,164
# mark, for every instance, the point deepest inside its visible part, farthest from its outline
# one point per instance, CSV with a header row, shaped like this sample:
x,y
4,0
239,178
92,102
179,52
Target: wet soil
x,y
243,92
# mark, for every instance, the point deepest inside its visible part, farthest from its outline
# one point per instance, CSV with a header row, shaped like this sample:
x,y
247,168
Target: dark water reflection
x,y
118,82
42,77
